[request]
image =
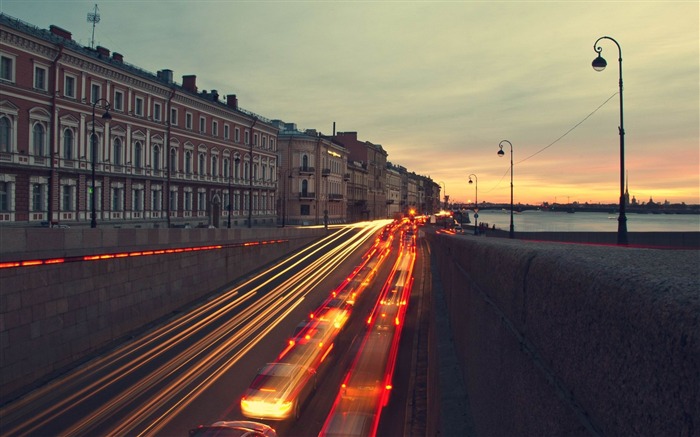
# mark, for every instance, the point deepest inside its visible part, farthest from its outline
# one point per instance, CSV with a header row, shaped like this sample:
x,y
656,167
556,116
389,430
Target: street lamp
x,y
476,203
501,153
599,64
105,116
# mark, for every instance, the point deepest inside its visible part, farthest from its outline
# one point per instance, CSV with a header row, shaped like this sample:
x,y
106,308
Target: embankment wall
x,y
567,339
55,316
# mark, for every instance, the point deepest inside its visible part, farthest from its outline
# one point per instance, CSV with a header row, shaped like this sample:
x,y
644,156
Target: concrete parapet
x,y
55,316
566,339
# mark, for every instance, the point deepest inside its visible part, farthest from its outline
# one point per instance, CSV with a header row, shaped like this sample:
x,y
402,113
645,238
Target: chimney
x,y
189,83
166,75
103,51
118,57
232,101
215,95
61,32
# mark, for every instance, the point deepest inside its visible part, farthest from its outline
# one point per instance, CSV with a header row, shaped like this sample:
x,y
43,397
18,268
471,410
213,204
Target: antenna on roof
x,y
94,18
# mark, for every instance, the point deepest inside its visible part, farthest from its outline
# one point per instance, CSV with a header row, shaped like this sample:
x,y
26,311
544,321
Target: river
x,y
545,221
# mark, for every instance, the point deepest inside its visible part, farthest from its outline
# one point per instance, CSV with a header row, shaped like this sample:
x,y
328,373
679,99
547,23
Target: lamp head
x,y
501,152
107,115
599,63
470,180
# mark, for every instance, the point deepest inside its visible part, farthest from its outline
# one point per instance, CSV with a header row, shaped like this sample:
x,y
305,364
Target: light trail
x,y
238,331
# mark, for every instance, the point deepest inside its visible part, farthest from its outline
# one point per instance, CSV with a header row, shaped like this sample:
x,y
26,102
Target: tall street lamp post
x,y
105,116
476,202
599,64
501,153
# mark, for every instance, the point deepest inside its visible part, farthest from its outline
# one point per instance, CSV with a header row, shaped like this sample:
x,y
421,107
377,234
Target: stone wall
x,y
55,316
565,339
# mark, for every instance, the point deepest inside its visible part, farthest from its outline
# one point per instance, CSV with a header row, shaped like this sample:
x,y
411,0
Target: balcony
x,y
307,196
326,172
307,170
335,197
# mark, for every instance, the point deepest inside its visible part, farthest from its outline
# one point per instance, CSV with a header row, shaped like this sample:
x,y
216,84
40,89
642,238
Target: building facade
x,y
83,132
315,170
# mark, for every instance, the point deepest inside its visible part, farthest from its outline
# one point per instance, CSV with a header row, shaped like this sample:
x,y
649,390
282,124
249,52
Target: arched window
x,y
39,138
173,160
138,155
5,135
68,144
188,162
227,168
246,171
304,188
305,162
117,147
201,164
156,157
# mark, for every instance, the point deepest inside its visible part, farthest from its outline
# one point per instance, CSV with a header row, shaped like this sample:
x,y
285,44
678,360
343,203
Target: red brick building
x,y
166,154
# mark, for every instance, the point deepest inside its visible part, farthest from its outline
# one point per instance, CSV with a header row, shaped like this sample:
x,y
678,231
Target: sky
x,y
439,84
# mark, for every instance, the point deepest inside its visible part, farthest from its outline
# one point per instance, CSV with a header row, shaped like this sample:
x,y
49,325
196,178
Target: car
x,y
235,428
278,391
459,229
335,311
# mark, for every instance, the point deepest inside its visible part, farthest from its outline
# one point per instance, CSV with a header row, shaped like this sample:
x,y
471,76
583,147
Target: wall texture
x,y
563,339
54,316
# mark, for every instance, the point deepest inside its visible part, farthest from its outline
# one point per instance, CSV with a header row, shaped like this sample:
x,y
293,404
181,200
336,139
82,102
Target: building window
x,y
138,155
227,169
214,166
201,164
68,144
226,132
138,110
69,86
7,68
305,210
272,144
173,160
117,199
137,199
201,201
37,197
156,111
67,198
39,139
264,142
188,162
156,200
255,139
214,128
172,199
173,116
247,137
237,135
118,103
188,201
188,120
5,135
40,75
4,196
202,125
95,93
156,157
117,147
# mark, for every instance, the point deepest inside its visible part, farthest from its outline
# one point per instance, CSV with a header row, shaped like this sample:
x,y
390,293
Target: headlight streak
x,y
367,384
311,275
144,350
303,282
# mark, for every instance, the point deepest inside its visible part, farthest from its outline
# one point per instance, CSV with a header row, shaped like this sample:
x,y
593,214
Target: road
x,y
194,369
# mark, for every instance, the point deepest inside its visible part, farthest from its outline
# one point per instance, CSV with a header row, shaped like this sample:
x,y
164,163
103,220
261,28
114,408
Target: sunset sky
x,y
440,83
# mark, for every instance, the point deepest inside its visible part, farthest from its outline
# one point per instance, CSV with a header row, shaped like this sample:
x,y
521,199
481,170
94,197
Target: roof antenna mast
x,y
94,18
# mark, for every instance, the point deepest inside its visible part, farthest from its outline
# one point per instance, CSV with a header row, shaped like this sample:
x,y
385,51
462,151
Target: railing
x,y
307,169
307,195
